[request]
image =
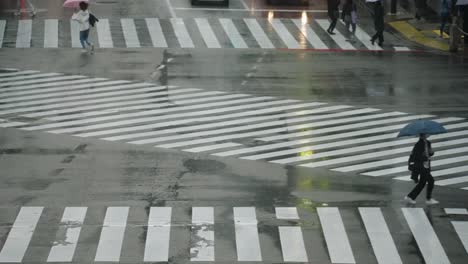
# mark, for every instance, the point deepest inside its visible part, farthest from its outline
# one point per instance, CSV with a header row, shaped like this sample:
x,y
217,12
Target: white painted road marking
x,y
284,34
2,31
462,231
104,34
23,37
112,234
156,33
181,33
258,33
130,33
232,33
310,35
158,235
207,33
247,240
202,234
51,33
291,238
339,39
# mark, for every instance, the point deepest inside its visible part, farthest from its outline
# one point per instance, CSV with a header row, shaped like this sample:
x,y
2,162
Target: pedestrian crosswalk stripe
x,y
16,73
5,124
462,231
130,33
256,133
239,127
365,39
20,234
252,100
335,235
291,238
379,235
63,249
258,33
202,234
104,34
17,80
112,234
51,33
427,240
181,33
212,147
327,137
339,39
150,119
150,90
207,33
401,48
310,35
74,33
147,104
284,34
456,211
156,33
23,36
2,31
451,170
456,180
36,83
245,223
387,162
365,156
232,33
221,117
158,234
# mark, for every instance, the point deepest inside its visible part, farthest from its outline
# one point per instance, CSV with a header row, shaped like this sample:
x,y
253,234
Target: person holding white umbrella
x,y
83,18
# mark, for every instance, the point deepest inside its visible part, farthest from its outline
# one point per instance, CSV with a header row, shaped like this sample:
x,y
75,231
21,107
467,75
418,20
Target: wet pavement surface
x,y
189,154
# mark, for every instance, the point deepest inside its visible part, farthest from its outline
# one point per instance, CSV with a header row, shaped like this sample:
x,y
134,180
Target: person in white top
x,y
82,17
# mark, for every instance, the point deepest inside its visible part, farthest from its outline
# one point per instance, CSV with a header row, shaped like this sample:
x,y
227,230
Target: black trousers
x,y
425,177
378,35
332,26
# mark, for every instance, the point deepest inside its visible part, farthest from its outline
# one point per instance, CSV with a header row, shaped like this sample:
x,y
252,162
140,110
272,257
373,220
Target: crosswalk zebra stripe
x,y
452,170
130,33
151,119
207,33
251,126
387,162
157,237
379,236
15,73
63,86
104,34
2,31
354,158
258,33
221,124
63,249
23,36
219,117
147,104
75,33
401,48
17,79
20,234
91,120
112,234
190,107
232,33
291,238
456,180
156,33
12,124
462,231
339,39
364,38
335,235
247,240
137,89
63,83
426,238
310,35
51,33
202,234
456,211
324,138
284,34
242,135
181,33
213,147
37,81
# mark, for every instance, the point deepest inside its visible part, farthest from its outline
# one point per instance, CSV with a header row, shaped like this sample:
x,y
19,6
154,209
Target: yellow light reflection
x,y
271,15
306,153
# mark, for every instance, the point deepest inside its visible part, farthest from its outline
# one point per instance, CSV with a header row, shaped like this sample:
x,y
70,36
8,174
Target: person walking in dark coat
x,y
421,155
333,14
378,23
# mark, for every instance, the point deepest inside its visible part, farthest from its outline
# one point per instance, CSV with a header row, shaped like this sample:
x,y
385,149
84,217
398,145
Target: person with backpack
x,y
83,18
444,15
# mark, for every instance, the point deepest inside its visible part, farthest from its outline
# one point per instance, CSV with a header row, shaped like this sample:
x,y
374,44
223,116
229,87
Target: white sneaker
x,y
409,200
92,47
84,51
432,201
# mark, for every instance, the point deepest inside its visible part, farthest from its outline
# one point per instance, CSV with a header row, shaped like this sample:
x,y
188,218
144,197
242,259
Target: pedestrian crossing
x,y
342,138
63,233
213,33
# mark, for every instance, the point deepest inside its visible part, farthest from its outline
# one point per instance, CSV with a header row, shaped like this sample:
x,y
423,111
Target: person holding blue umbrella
x,y
421,158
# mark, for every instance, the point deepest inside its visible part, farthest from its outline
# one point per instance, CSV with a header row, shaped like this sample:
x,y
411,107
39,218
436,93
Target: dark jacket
x,y
333,8
348,7
418,155
378,17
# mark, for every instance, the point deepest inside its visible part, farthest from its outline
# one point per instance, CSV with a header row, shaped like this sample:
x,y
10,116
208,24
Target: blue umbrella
x,y
422,127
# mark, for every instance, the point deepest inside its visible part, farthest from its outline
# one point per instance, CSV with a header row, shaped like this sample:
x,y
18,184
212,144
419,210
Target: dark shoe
x,y
380,44
372,41
331,33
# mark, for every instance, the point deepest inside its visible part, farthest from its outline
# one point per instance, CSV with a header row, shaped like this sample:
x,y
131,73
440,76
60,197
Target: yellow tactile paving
x,y
413,34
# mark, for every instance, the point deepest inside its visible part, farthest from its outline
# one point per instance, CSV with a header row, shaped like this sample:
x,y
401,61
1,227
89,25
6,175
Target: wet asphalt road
x,y
56,171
